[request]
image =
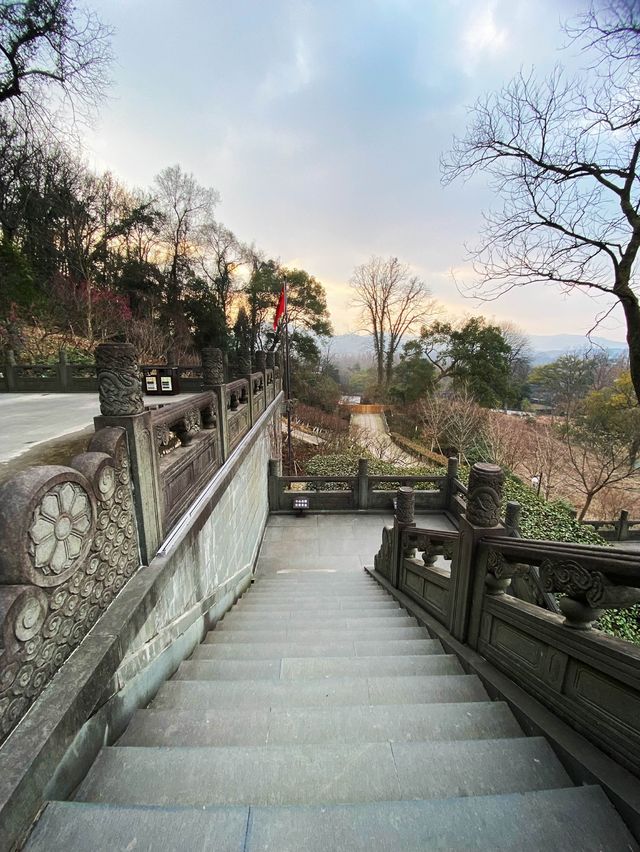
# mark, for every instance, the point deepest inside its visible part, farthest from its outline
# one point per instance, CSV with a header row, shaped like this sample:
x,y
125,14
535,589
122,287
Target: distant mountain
x,y
546,347
350,344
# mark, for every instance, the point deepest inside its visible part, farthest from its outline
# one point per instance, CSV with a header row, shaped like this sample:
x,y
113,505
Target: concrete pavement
x,y
371,430
29,419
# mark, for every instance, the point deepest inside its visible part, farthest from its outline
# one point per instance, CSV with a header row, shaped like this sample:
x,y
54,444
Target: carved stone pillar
x,y
484,495
213,379
261,360
403,519
481,519
244,363
119,383
122,405
212,368
405,505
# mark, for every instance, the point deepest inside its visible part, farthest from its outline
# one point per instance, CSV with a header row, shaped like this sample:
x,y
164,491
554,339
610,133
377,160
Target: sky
x,y
322,123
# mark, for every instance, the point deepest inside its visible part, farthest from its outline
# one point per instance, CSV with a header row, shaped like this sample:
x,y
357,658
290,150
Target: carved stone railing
x,y
188,443
464,581
270,386
363,492
239,413
588,579
69,545
622,529
178,446
258,394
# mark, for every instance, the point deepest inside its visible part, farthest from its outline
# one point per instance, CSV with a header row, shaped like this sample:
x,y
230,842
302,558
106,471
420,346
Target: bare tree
x,y
593,463
186,208
562,155
53,44
220,257
392,302
454,422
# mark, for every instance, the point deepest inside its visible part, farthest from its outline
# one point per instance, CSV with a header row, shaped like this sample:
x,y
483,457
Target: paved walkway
x,y
29,419
372,432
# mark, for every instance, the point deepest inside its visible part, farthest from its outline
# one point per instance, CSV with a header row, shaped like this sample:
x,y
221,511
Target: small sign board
x,y
151,383
166,383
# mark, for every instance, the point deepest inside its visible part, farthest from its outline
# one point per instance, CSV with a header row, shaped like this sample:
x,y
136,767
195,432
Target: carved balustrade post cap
x,y
452,465
212,367
405,505
271,360
47,520
484,494
512,513
119,384
261,360
244,362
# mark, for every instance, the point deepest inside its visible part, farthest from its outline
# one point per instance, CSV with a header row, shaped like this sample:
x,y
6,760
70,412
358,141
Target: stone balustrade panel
x,y
69,546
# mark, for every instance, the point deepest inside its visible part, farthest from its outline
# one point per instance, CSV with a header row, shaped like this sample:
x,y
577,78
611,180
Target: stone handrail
x,y
622,529
583,675
589,578
188,443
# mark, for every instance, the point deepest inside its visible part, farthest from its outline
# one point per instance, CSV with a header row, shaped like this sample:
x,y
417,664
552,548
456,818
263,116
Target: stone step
x,y
322,725
317,692
354,595
202,666
295,617
352,648
320,774
305,636
229,623
562,819
319,604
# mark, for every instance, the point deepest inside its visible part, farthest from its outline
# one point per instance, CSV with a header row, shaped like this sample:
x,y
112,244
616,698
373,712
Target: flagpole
x,y
287,377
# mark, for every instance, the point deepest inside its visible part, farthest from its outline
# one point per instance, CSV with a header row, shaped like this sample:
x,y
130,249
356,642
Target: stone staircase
x,y
319,716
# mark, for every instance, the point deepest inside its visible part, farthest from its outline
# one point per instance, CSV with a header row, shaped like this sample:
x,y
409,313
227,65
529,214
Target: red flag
x,y
279,310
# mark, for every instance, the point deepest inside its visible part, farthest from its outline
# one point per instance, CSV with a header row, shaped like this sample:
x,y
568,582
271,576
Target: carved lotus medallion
x,y
60,528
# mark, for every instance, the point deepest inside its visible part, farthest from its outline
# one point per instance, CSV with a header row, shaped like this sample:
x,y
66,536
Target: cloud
x,y
322,124
482,38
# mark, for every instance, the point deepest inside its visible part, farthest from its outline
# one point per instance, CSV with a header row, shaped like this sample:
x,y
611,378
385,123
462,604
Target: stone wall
x,y
214,555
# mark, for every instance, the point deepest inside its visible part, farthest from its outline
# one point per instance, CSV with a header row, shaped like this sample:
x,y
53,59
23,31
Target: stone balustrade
x,y
465,584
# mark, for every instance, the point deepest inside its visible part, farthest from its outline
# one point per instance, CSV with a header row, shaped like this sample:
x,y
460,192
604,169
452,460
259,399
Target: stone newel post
x,y
403,519
119,384
213,380
482,518
122,404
